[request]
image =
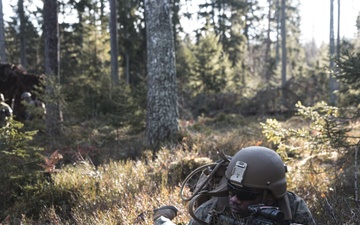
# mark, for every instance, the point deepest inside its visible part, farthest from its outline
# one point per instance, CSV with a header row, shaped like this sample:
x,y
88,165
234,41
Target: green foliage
x,y
311,85
19,159
320,140
329,129
185,61
348,74
324,131
30,37
118,106
211,74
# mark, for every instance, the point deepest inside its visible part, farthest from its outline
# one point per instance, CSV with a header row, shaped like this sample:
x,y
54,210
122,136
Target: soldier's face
x,y
240,207
241,198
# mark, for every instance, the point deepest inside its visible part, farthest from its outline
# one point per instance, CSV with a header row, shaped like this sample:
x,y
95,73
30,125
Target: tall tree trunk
x,y
278,24
52,67
283,50
103,17
114,44
267,67
338,33
21,13
127,66
338,47
358,26
2,35
332,54
162,111
127,51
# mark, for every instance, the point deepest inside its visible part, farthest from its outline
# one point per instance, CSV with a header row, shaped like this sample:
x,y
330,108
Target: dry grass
x,y
127,191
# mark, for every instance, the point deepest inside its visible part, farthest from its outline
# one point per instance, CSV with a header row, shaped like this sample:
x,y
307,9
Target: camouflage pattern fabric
x,y
300,213
5,111
35,109
163,221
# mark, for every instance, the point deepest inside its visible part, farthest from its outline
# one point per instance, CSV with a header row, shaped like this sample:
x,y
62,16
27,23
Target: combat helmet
x,y
261,168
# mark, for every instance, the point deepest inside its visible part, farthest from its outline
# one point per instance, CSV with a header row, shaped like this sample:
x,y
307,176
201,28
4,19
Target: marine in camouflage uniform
x,y
255,175
299,209
35,109
5,111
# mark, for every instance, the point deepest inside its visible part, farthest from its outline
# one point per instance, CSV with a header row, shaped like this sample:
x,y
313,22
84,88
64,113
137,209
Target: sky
x,y
315,17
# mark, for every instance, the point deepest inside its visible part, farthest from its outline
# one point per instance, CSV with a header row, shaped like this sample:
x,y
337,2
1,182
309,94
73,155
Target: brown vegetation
x,y
119,190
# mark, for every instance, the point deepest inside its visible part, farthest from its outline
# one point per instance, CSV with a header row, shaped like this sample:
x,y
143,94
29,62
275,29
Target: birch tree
x,y
162,111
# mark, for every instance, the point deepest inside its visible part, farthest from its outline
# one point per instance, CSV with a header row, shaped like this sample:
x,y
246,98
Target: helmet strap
x,y
267,198
264,197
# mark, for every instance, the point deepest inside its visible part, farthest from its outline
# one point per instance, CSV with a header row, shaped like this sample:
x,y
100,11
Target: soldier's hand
x,y
167,211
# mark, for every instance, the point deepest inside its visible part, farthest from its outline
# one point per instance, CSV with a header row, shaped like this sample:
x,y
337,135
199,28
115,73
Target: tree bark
x,y
162,111
52,67
21,13
267,67
338,33
114,44
2,35
332,54
278,25
283,49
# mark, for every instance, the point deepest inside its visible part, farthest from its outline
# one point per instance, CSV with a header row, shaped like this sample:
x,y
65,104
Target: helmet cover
x,y
258,167
25,95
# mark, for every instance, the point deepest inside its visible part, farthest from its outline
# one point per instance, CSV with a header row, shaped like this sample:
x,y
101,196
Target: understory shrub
x,y
19,169
320,155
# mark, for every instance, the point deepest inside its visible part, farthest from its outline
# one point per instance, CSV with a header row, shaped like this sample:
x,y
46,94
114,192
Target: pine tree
x,y
22,33
349,74
132,41
114,43
212,72
2,36
332,55
162,111
52,68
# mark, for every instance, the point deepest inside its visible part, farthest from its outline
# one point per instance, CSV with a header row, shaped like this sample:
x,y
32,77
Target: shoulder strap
x,y
192,214
203,191
213,168
202,185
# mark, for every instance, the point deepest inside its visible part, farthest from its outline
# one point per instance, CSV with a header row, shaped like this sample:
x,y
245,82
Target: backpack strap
x,y
202,183
203,191
192,214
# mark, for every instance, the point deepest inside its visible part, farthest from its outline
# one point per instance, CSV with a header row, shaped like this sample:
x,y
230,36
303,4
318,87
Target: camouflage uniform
x,y
35,109
5,112
300,212
244,174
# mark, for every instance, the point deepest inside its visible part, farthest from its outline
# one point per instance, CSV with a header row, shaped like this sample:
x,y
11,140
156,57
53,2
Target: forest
x,y
135,101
